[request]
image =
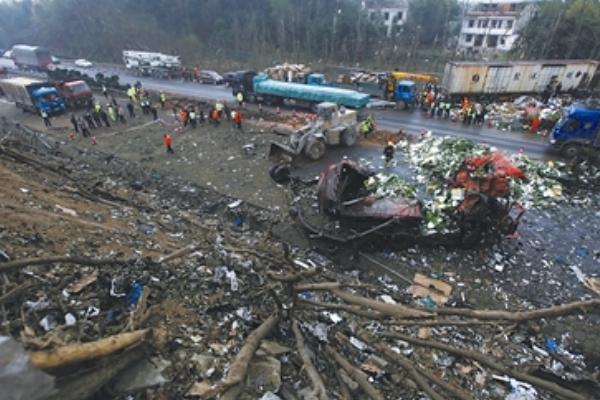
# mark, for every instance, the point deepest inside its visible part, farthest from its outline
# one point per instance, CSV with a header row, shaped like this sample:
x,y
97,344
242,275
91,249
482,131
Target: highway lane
x,y
413,122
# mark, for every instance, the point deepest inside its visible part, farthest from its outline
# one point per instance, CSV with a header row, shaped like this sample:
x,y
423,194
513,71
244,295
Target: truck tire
x,y
348,137
401,104
314,150
570,150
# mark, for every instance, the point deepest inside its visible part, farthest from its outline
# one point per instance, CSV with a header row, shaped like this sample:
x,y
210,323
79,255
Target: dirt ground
x,y
50,214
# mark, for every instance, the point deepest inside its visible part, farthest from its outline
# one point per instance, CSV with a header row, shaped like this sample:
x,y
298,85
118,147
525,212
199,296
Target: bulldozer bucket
x,y
279,152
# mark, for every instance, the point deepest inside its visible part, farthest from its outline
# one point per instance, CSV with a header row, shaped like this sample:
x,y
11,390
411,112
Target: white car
x,y
83,63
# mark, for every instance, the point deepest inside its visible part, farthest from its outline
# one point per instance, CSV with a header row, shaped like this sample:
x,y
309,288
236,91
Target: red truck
x,y
77,94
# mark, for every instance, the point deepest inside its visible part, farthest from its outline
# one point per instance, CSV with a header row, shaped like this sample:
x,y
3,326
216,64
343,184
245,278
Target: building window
x,y
517,76
468,38
492,41
502,41
484,23
533,76
479,23
493,23
475,78
509,24
478,41
398,17
386,16
569,75
578,74
471,23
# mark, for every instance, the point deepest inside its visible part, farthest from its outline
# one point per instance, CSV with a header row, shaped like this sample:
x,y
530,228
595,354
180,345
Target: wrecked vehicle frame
x,y
485,207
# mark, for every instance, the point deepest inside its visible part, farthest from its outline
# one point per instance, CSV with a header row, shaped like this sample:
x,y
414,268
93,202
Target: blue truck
x,y
32,95
260,88
579,128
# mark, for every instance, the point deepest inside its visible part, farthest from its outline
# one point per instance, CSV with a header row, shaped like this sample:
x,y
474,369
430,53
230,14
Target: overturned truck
x,y
480,195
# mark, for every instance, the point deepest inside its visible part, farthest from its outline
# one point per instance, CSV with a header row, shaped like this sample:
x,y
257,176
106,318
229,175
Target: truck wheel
x,y
315,150
348,137
401,104
570,150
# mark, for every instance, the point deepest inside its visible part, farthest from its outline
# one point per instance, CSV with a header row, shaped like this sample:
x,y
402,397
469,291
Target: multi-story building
x,y
392,13
494,25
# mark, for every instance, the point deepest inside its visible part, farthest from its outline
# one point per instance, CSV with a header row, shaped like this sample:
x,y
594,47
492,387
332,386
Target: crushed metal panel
x,y
384,208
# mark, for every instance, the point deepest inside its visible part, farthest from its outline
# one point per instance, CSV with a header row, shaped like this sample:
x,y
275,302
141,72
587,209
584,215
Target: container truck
x,y
32,95
260,88
578,129
31,57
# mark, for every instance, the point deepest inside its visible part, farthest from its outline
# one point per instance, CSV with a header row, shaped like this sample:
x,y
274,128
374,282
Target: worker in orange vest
x,y
236,117
168,142
215,117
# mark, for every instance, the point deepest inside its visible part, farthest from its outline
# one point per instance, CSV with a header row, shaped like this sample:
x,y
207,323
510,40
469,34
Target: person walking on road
x,y
46,119
74,123
236,117
130,110
163,100
84,129
192,117
154,113
89,120
104,118
111,112
168,142
215,117
105,91
240,99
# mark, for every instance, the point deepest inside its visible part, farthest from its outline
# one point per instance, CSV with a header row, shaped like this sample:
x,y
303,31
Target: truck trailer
x,y
31,57
32,95
157,65
260,88
519,77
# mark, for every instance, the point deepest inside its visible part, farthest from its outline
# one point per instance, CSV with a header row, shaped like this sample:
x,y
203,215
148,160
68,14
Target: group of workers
x,y
192,116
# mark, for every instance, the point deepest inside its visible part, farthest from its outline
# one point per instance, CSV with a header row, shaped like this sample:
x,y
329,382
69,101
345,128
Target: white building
x,y
391,12
494,25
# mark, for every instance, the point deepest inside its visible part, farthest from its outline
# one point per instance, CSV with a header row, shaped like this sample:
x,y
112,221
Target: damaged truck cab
x,y
578,129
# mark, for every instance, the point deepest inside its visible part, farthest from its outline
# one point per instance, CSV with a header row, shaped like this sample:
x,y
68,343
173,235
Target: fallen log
x,y
343,307
15,292
394,310
94,262
356,374
293,277
74,353
311,371
415,371
490,363
328,286
442,322
179,253
86,385
239,366
578,307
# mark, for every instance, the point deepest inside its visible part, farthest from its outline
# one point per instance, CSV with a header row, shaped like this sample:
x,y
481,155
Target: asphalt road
x,y
413,122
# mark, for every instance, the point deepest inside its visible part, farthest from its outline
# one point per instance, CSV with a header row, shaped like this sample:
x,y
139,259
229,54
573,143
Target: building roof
x,y
387,3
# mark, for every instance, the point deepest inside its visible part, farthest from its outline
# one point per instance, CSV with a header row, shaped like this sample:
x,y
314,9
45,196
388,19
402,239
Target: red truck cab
x,y
76,94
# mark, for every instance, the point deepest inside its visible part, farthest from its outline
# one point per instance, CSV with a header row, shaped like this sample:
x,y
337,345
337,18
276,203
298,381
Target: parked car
x,y
211,77
83,63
